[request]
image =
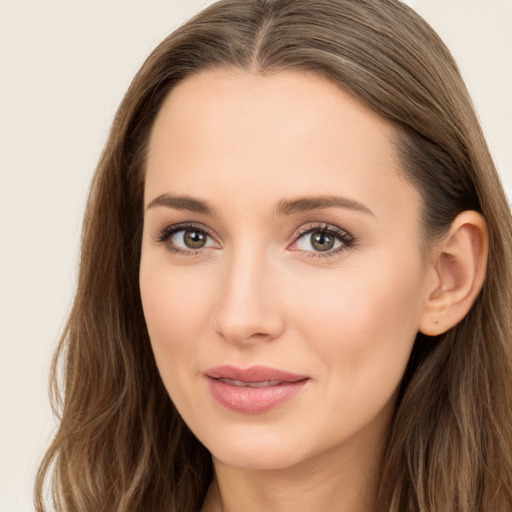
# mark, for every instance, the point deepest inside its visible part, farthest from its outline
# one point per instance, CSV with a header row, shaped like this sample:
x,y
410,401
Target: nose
x,y
248,308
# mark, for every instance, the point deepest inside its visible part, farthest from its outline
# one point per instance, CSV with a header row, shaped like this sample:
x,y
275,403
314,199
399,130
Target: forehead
x,y
241,133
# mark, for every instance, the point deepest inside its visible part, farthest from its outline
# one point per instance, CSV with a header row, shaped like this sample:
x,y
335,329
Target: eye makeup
x,y
324,239
194,239
317,240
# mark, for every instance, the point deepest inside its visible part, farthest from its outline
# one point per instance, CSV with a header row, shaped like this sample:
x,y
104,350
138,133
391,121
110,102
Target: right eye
x,y
186,239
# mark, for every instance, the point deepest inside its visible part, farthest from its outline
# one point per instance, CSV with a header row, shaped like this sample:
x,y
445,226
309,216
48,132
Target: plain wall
x,y
64,67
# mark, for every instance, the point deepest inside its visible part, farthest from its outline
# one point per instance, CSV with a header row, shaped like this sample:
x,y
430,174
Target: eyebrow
x,y
306,204
284,207
182,203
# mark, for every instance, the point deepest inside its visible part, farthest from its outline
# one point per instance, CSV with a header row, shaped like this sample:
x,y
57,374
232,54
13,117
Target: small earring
x,y
435,320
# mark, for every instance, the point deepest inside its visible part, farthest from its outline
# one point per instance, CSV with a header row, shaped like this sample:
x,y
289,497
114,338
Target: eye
x,y
190,239
186,239
326,240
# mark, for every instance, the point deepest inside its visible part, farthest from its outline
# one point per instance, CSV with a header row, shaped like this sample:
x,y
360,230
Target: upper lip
x,y
253,374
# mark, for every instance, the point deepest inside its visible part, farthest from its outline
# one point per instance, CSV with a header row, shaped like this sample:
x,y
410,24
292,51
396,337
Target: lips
x,y
261,384
253,390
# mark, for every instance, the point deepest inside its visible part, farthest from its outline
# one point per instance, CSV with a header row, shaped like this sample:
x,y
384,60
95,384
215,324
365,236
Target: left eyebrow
x,y
308,203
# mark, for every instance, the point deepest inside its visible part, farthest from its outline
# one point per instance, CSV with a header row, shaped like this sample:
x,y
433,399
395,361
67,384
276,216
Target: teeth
x,y
264,383
260,384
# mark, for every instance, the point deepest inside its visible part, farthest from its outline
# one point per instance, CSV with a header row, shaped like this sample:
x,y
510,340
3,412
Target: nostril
x,y
240,336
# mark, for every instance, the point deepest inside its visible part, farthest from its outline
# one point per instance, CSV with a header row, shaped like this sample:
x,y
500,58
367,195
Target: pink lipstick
x,y
253,390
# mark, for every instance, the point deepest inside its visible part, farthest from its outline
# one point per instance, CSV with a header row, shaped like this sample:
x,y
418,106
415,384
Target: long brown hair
x,y
121,446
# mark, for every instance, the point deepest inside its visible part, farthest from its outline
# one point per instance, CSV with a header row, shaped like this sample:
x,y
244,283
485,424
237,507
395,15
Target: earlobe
x,y
458,272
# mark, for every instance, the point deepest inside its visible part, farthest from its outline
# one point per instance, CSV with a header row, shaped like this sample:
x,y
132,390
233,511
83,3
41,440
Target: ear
x,y
458,267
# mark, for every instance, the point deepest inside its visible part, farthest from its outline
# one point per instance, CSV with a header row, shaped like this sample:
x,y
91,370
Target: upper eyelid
x,y
184,226
321,226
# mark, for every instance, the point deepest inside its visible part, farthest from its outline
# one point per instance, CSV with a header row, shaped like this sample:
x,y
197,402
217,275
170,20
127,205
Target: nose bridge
x,y
247,308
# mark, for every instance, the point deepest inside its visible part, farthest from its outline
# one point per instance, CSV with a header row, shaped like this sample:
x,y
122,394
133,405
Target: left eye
x,y
322,240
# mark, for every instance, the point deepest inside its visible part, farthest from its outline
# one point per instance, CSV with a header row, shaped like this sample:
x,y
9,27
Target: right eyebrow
x,y
181,203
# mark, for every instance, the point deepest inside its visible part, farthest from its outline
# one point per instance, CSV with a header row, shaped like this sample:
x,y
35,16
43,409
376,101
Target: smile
x,y
254,390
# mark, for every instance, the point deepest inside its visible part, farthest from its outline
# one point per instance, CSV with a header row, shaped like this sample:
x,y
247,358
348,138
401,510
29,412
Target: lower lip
x,y
249,400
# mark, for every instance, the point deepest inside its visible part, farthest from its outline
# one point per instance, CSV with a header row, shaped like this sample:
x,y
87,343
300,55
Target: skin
x,y
259,293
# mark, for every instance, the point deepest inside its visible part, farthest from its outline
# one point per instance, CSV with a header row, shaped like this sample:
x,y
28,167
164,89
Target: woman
x,y
295,283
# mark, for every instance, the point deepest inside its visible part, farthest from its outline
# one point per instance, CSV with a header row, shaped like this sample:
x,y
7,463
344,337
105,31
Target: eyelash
x,y
165,235
346,239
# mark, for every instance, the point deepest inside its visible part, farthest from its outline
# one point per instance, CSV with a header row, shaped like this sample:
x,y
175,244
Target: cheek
x,y
173,299
176,306
363,318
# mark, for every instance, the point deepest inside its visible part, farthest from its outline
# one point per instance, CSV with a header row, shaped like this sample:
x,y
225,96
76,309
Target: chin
x,y
260,451
258,459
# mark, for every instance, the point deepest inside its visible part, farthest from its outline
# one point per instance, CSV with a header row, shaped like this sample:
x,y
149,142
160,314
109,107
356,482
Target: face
x,y
282,276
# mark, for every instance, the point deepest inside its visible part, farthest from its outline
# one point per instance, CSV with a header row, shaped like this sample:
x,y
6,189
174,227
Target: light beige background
x,y
64,66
